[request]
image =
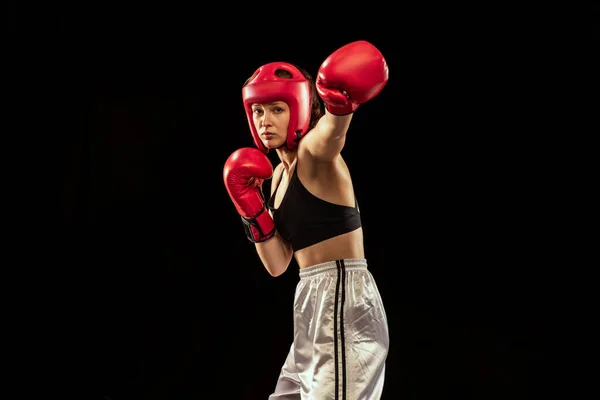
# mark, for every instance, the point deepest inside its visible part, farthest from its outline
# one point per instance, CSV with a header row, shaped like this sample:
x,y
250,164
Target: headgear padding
x,y
266,87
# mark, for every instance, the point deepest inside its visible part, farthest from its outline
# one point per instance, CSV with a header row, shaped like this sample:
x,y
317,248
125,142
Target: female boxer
x,y
341,337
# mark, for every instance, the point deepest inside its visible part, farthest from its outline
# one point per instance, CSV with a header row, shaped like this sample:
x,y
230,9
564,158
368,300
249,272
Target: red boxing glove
x,y
350,76
244,173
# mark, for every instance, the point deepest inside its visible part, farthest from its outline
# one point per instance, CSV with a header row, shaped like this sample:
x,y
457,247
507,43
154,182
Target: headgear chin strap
x,y
266,87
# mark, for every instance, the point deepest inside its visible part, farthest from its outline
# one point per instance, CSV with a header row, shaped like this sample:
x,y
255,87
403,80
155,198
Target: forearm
x,y
275,255
333,126
328,138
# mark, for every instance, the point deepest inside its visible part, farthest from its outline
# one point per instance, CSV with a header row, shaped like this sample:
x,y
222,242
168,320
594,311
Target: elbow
x,y
277,269
275,272
275,256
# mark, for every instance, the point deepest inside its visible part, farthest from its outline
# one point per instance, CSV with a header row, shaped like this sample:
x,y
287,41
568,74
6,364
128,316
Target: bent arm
x,y
275,253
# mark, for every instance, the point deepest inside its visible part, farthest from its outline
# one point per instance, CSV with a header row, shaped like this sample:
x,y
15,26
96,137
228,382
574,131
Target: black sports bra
x,y
303,219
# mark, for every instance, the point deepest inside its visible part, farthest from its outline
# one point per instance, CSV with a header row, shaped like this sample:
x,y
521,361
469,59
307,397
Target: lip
x,y
268,136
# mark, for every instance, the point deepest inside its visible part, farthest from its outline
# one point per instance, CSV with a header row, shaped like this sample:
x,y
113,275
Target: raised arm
x,y
349,77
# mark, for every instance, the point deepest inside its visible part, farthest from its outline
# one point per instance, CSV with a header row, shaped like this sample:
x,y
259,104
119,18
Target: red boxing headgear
x,y
266,87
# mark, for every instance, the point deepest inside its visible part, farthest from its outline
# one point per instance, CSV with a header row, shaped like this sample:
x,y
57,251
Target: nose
x,y
266,119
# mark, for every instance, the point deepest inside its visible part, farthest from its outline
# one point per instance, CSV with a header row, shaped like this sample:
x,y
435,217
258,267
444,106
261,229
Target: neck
x,y
287,157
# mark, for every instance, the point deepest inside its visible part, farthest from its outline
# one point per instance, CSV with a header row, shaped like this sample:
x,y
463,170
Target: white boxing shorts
x,y
340,336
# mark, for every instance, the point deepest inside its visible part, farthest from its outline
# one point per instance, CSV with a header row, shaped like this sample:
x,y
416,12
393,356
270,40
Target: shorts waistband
x,y
348,264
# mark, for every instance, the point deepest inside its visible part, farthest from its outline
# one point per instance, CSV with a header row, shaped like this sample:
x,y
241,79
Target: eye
x,y
278,109
257,111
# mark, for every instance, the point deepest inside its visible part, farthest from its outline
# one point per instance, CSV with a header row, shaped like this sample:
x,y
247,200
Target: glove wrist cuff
x,y
260,228
341,110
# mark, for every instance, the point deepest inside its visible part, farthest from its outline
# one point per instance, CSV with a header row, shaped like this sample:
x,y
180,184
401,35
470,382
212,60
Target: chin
x,y
269,144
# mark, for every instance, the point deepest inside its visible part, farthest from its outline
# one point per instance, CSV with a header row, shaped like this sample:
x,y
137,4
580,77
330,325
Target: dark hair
x,y
316,107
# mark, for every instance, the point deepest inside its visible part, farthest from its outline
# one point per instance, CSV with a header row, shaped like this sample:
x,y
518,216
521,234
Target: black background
x,y
149,288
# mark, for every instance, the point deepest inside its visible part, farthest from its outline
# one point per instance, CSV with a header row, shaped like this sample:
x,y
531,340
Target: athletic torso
x,y
317,213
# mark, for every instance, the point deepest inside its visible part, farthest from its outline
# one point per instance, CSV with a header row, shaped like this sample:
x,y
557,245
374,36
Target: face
x,y
271,121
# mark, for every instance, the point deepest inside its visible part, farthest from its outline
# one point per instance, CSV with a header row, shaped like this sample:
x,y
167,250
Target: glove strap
x,y
254,230
341,110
